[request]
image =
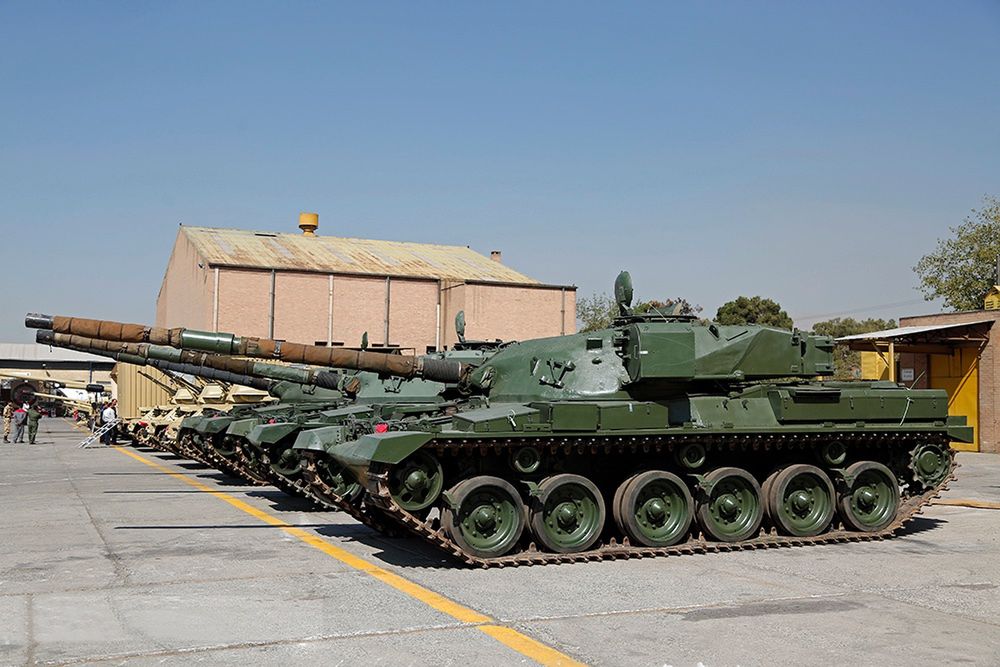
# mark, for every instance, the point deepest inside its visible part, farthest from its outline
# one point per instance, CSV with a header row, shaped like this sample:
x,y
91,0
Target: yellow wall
x,y
958,374
137,391
873,366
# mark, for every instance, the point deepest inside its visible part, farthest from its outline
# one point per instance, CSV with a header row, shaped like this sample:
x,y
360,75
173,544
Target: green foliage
x,y
753,310
963,268
598,311
678,306
595,312
846,362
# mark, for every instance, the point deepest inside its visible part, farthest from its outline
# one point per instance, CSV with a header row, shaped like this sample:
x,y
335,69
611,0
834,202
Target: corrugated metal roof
x,y
44,353
902,332
266,250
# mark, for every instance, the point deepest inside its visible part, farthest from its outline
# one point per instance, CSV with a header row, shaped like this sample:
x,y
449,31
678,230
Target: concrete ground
x,y
106,560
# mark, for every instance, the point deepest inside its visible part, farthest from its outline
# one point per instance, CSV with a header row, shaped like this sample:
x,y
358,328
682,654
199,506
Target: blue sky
x,y
808,152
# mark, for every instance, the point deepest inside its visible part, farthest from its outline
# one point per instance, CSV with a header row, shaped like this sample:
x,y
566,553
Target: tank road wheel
x,y
484,516
251,457
336,476
731,510
567,514
871,498
654,508
800,500
416,482
930,463
288,463
226,447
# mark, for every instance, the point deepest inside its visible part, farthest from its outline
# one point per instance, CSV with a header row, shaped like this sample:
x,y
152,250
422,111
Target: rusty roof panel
x,y
295,252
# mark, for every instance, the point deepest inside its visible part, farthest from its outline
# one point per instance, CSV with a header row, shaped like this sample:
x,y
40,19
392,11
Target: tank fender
x,y
217,424
391,447
959,431
319,439
240,428
268,434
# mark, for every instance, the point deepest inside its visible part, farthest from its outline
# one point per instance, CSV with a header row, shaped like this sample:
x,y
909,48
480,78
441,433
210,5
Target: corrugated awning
x,y
928,338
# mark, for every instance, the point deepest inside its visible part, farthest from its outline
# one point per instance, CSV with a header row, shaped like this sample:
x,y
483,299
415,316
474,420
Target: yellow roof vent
x,y
308,223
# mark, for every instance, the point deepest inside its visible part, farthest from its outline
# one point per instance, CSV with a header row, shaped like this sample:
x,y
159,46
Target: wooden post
x,y
892,361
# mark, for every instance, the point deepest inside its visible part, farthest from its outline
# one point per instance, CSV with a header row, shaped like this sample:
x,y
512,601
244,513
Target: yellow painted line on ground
x,y
966,502
523,644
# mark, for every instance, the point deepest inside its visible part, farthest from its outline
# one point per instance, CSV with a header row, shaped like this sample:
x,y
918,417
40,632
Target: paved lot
x,y
106,560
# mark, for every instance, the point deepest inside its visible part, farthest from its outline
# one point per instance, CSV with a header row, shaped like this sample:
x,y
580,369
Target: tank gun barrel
x,y
72,384
208,366
399,365
128,357
81,405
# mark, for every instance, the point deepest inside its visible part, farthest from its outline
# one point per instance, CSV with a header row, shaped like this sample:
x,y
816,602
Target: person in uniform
x,y
8,414
34,415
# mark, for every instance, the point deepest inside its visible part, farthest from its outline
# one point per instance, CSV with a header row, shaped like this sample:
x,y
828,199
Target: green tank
x,y
660,435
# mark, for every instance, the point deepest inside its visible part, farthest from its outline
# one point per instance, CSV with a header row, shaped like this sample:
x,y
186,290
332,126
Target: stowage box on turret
x,y
661,434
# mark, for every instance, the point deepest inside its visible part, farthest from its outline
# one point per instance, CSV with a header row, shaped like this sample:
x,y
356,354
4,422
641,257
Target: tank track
x,y
296,488
212,459
360,509
234,467
431,533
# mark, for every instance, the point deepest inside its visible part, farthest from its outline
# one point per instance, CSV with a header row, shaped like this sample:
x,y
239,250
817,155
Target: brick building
x,y
329,291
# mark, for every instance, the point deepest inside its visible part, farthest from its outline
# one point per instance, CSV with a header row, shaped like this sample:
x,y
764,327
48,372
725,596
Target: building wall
x,y
988,432
244,302
301,307
510,312
359,306
413,313
186,294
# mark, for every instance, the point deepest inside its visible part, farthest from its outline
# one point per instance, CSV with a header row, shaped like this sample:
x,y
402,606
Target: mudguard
x,y
958,431
268,434
215,425
241,427
391,447
319,439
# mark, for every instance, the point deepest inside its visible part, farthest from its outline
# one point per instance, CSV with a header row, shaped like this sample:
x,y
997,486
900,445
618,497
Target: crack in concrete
x,y
32,642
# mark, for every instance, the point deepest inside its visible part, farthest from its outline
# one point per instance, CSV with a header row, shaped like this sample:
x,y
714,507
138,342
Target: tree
x,y
753,310
678,306
595,312
963,268
598,311
847,362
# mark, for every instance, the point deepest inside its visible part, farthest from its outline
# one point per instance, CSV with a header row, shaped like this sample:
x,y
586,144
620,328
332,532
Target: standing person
x,y
34,415
19,418
107,416
8,414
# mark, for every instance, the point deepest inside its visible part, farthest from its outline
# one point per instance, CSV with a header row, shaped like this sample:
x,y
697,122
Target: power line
x,y
896,304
